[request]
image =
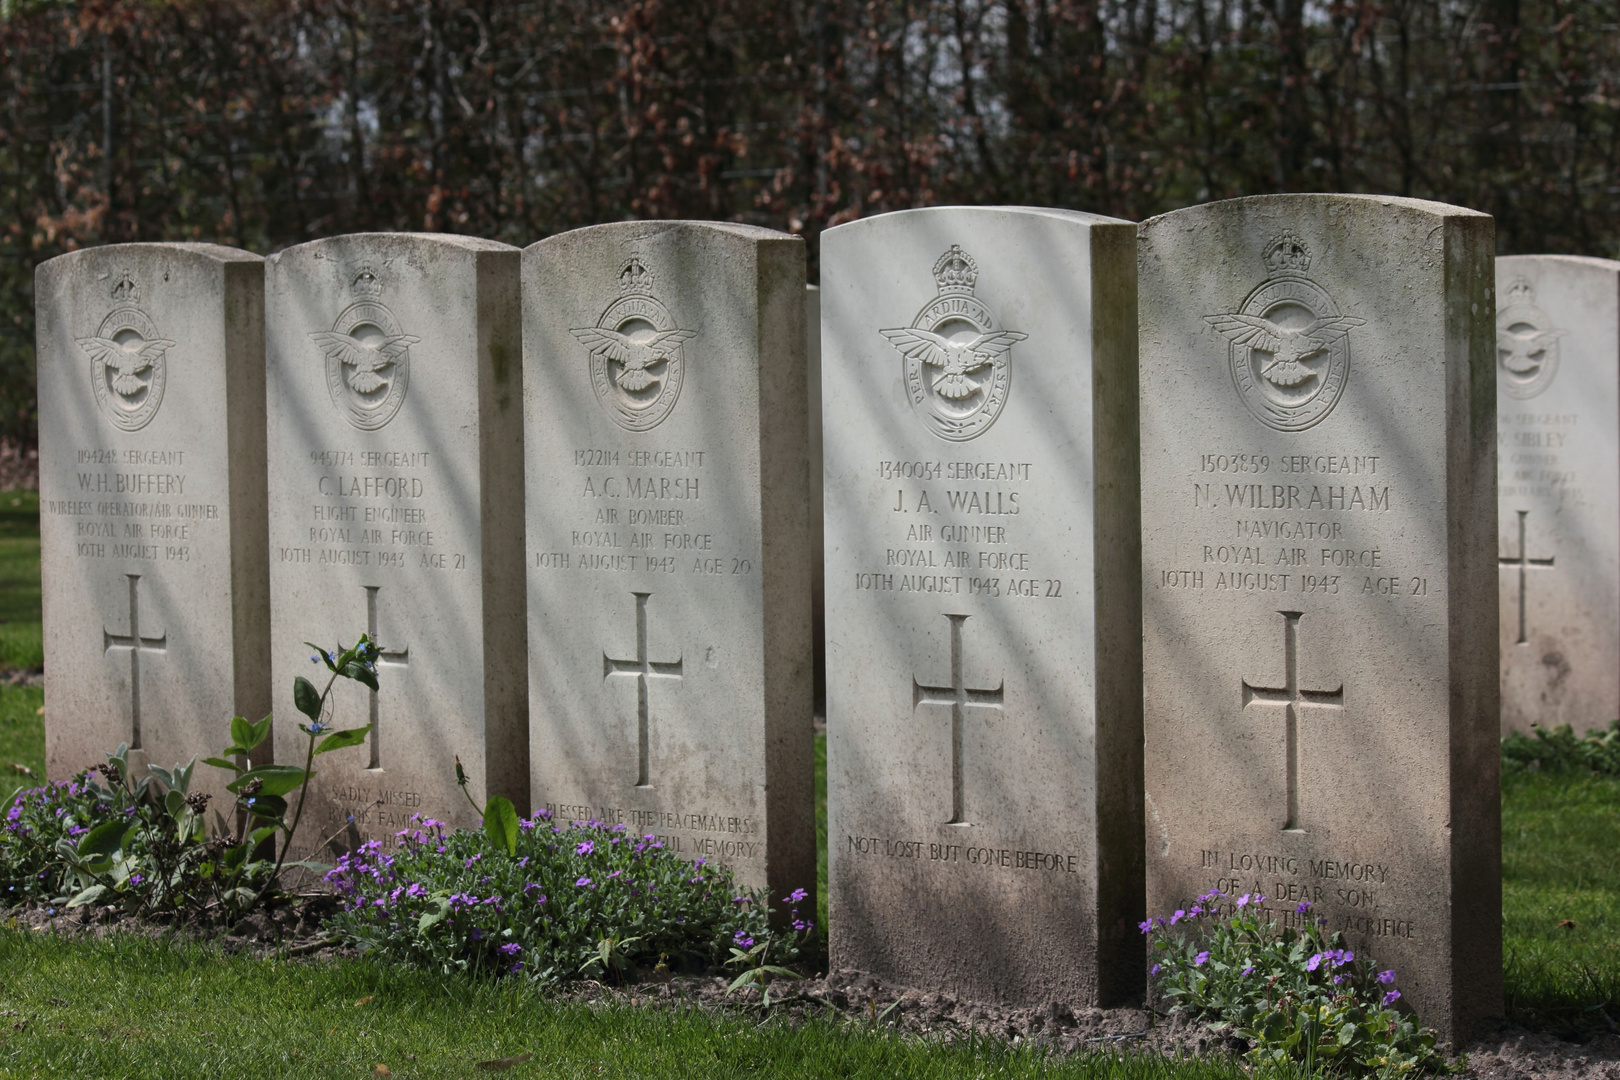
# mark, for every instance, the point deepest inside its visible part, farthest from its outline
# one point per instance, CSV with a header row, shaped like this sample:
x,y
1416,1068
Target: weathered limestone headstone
x,y
396,508
983,620
1318,493
1558,489
669,590
152,523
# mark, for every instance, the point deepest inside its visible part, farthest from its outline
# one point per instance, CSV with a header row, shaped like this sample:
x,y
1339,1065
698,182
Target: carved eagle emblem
x,y
1289,348
955,359
128,362
636,358
364,359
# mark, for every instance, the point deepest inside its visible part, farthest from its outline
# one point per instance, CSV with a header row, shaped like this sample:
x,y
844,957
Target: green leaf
x,y
174,803
325,659
259,836
102,840
342,740
360,674
440,912
88,896
261,731
241,731
501,824
307,698
221,763
278,779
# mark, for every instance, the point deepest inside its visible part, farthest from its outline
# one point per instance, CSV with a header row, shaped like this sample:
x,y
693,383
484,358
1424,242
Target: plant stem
x,y
303,790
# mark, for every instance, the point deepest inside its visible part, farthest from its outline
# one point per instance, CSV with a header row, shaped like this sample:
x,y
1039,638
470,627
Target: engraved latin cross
x,y
1292,699
136,644
396,657
1524,563
960,697
643,670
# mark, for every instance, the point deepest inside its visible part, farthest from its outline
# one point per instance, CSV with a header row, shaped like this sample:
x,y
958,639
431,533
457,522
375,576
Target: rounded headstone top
x,y
1303,201
908,217
1588,261
397,240
647,229
215,252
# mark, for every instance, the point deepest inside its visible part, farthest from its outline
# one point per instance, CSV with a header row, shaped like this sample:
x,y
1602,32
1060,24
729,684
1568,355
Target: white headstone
x,y
1318,500
1558,489
396,508
983,618
152,511
669,587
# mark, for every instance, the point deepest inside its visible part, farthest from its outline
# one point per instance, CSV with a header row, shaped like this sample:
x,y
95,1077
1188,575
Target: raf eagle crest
x,y
367,356
128,359
957,363
1288,345
1526,344
637,362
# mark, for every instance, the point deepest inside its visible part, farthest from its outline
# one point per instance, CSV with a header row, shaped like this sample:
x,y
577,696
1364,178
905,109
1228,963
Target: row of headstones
x,y
1234,535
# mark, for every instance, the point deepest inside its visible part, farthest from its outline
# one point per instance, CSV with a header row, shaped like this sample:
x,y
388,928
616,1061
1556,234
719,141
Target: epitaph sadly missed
x,y
669,588
152,504
1319,577
983,621
396,495
1558,489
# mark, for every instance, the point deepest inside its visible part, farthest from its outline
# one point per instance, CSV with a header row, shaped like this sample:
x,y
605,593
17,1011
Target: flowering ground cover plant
x,y
1293,994
563,901
142,842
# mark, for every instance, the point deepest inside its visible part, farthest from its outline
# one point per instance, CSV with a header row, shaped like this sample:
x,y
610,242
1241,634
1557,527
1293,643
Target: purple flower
x,y
1315,962
517,967
585,847
582,882
1302,907
1198,961
795,896
476,934
1155,969
1243,900
1392,997
1386,977
1196,911
1177,916
511,948
1146,926
1248,970
741,939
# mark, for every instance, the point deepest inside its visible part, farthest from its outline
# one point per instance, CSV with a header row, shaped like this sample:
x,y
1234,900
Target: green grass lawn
x,y
1561,863
134,1009
19,580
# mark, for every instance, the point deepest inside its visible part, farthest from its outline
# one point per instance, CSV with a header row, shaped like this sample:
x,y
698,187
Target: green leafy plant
x,y
142,843
564,900
262,790
754,956
1294,993
1560,750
